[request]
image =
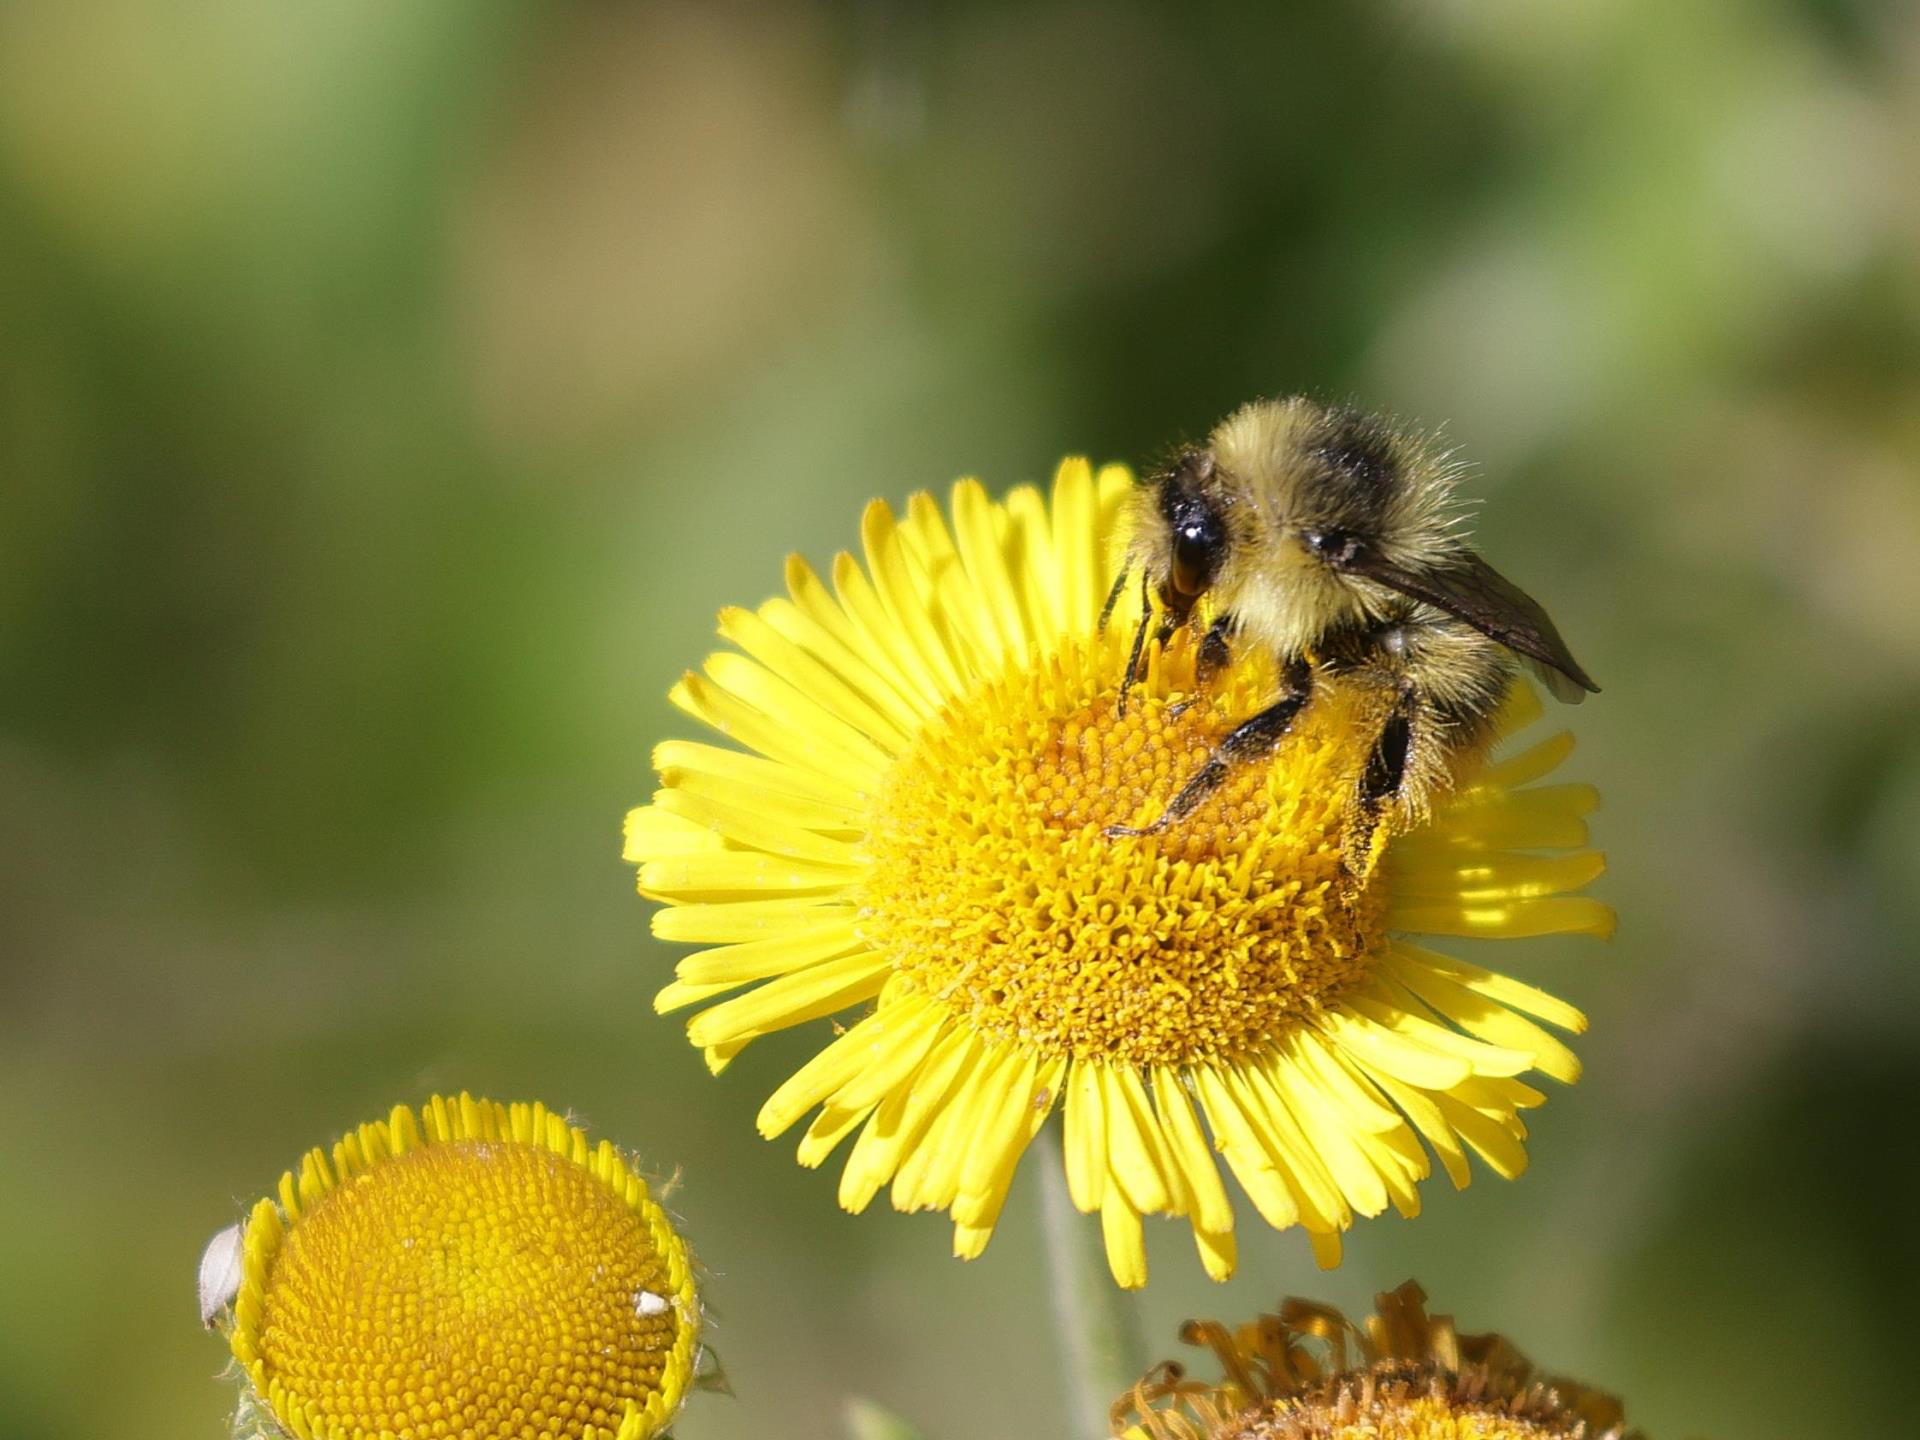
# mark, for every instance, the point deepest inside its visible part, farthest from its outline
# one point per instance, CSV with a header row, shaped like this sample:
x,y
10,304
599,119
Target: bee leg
x,y
1379,785
1113,598
1215,652
1140,641
1248,740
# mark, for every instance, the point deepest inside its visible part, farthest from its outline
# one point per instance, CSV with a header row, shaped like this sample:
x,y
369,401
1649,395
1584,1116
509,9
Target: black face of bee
x,y
1197,532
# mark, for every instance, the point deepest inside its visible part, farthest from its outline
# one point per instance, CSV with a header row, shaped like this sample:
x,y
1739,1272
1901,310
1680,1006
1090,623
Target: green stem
x,y
1099,1330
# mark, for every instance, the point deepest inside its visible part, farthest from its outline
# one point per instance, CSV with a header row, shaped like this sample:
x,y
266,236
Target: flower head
x,y
473,1272
912,818
1309,1373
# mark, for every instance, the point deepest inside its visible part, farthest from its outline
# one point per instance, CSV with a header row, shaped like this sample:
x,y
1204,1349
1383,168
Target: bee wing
x,y
1562,686
1473,591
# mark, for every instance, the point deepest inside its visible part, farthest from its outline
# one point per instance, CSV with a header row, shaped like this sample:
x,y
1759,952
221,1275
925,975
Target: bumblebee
x,y
1336,541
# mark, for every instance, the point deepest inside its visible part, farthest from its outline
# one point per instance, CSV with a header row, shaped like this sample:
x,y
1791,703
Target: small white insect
x,y
219,1274
646,1304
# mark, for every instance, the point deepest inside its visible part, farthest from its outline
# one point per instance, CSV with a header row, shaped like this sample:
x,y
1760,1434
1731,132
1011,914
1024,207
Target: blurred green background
x,y
390,395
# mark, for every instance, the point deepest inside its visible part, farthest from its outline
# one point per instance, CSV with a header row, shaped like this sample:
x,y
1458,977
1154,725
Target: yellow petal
x,y
1326,1248
845,819
870,613
929,1175
724,873
777,955
1490,1140
1034,1102
678,994
1508,992
757,831
964,621
796,713
1244,1151
736,921
1542,817
1084,1127
1005,1107
1126,1242
832,1125
1487,876
1031,545
1300,1163
1509,919
1384,1052
1361,1105
902,1118
1533,763
1391,1004
814,620
1427,1117
1492,1022
714,705
1076,544
906,592
980,550
1134,1152
1205,1197
754,634
874,1040
652,833
1219,1252
1322,1123
807,995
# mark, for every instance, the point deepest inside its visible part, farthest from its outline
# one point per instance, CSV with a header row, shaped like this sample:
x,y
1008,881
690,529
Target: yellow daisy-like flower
x,y
911,818
473,1272
1309,1373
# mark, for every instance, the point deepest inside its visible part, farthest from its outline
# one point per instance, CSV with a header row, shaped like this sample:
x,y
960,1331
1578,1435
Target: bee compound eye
x,y
1196,554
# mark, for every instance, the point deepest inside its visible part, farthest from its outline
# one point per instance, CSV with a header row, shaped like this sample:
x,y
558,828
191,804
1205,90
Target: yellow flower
x,y
475,1272
911,818
1309,1373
